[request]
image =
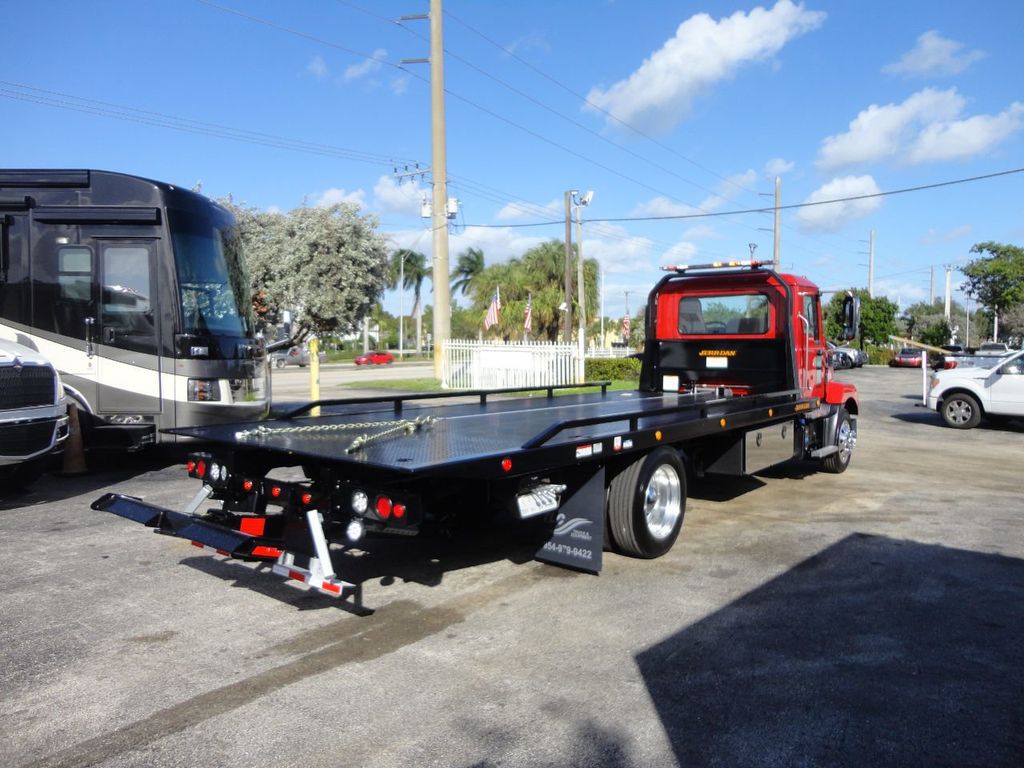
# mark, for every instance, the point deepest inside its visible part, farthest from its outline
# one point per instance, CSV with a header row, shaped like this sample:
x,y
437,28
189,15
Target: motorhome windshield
x,y
212,276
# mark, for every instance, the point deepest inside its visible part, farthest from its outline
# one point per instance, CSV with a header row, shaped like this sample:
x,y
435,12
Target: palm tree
x,y
411,267
467,269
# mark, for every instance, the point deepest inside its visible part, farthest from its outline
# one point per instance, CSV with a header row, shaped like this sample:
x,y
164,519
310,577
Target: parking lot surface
x,y
873,618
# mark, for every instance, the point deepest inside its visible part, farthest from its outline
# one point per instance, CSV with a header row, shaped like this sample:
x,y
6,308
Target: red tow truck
x,y
736,377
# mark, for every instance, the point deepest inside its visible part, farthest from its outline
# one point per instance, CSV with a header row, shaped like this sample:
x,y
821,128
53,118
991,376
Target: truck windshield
x,y
212,276
742,314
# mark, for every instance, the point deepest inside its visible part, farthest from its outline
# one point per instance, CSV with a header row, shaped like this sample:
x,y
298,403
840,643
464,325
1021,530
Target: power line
x,y
61,100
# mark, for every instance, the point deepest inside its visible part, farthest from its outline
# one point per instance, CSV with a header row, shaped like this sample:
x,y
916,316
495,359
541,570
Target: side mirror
x,y
851,317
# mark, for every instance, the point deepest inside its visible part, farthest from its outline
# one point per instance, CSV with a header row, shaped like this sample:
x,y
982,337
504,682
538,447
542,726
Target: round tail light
x,y
384,507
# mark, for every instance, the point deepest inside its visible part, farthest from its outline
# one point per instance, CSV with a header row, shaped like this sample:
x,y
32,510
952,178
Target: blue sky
x,y
660,108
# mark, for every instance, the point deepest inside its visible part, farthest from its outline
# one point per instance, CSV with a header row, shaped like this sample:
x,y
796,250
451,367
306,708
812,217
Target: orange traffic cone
x,y
74,450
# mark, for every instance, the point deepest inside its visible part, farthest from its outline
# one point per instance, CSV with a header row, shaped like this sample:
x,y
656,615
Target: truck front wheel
x,y
961,411
846,441
646,504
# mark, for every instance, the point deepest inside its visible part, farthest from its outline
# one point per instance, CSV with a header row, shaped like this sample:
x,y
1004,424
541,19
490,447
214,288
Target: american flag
x,y
625,328
492,311
528,322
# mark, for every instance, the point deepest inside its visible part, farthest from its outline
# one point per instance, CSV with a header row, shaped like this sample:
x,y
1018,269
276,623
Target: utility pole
x,y
931,286
439,172
949,289
567,321
871,265
439,166
775,253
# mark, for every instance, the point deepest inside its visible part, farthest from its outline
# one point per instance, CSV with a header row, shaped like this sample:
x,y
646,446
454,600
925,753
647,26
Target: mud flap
x,y
577,540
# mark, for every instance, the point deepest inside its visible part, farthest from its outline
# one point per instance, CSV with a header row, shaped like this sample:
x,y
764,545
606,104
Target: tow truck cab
x,y
744,328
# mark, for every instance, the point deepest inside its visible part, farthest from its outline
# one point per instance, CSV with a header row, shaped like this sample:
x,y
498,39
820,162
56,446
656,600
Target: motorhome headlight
x,y
360,502
204,390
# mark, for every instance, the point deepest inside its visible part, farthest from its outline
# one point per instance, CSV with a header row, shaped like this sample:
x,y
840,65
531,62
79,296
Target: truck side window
x,y
811,313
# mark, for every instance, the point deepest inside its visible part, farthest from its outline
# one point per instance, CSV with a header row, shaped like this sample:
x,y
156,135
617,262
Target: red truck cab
x,y
744,328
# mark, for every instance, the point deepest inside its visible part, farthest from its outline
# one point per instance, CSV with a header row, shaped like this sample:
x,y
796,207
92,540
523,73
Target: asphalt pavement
x,y
873,618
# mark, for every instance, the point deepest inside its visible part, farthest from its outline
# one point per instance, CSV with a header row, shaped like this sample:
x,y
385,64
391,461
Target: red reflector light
x,y
261,551
247,486
201,468
254,526
307,497
276,491
398,510
384,507
506,464
190,466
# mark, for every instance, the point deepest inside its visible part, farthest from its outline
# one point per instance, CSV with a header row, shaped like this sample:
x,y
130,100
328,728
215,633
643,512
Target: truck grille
x,y
25,439
30,386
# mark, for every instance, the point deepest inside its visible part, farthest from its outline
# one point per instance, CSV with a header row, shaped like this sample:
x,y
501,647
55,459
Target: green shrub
x,y
879,355
612,369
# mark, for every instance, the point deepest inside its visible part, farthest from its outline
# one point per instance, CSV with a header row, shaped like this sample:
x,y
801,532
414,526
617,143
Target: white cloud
x,y
702,53
399,85
390,197
336,195
726,190
880,132
934,55
317,67
832,217
927,127
777,166
958,139
681,253
701,232
934,237
618,251
901,292
363,68
517,211
662,206
534,40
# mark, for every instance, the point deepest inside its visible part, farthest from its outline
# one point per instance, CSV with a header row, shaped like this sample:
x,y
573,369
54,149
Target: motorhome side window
x,y
74,273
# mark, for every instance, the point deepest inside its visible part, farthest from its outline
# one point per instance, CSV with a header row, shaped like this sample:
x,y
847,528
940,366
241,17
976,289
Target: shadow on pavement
x,y
874,652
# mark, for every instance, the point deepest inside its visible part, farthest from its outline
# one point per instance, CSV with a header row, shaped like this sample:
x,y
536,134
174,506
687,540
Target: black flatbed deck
x,y
469,432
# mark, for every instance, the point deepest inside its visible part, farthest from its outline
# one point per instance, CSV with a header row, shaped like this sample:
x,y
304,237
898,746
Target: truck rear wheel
x,y
846,441
646,504
961,411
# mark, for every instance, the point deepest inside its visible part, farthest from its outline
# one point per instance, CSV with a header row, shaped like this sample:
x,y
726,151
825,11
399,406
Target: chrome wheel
x,y
846,441
663,502
959,412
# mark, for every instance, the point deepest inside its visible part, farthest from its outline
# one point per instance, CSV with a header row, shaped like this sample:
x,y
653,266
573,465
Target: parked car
x,y
33,413
855,357
375,358
993,349
293,356
908,357
967,393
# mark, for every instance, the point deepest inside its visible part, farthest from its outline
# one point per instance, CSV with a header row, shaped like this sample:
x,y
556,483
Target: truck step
x,y
821,453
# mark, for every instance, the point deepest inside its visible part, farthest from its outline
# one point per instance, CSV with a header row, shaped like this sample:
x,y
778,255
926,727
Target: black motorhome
x,y
137,291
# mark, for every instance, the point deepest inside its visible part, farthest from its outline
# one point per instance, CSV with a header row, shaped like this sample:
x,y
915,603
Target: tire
x,y
646,504
846,441
279,363
960,411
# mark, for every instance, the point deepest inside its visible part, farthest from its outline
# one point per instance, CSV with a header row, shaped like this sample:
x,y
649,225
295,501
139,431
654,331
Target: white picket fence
x,y
468,364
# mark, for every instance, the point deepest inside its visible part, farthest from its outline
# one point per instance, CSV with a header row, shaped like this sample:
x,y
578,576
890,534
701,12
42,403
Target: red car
x,y
375,358
907,357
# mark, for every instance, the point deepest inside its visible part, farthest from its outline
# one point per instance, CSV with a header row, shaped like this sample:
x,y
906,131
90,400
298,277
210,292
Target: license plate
x,y
539,499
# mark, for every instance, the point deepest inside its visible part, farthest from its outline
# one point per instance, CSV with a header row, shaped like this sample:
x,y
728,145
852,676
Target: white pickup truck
x,y
992,388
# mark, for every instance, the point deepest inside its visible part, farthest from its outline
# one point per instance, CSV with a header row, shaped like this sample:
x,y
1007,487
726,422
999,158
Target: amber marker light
x,y
721,423
657,435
